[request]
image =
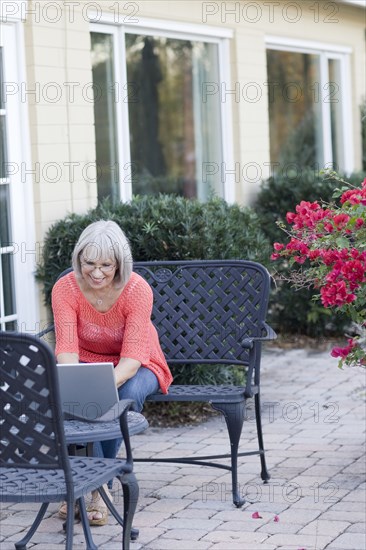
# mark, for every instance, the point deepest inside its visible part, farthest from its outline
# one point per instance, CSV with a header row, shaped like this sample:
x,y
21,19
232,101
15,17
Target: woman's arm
x,y
67,358
126,369
64,305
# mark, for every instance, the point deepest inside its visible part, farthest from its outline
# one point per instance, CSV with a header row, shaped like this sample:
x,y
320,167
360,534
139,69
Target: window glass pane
x,y
2,121
1,80
334,96
175,130
104,115
294,110
8,290
11,325
5,236
3,159
7,299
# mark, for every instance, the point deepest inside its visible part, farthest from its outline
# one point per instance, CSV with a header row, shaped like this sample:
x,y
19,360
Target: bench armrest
x,y
48,329
269,335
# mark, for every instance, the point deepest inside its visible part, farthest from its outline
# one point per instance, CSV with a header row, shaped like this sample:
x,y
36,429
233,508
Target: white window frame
x,y
24,246
327,52
172,29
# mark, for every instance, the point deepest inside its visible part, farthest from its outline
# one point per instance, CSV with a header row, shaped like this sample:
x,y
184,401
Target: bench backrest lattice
x,y
207,311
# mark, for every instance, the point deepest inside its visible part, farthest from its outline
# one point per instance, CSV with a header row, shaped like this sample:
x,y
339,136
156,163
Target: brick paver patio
x,y
314,430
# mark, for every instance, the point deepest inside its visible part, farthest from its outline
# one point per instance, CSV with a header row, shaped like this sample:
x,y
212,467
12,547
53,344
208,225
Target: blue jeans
x,y
137,388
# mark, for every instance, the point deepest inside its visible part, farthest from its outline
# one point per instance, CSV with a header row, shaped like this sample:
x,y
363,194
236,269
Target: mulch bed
x,y
175,414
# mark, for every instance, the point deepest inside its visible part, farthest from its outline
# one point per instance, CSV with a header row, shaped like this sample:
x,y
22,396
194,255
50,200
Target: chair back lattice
x,y
31,433
204,310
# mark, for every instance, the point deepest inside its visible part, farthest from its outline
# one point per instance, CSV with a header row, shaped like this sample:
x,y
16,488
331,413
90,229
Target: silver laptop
x,y
87,389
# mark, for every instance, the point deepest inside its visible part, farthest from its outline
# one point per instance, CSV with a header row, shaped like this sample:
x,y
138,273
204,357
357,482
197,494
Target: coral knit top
x,y
125,330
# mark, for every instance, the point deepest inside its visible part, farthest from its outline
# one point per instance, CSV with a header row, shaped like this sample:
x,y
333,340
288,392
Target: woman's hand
x,y
126,369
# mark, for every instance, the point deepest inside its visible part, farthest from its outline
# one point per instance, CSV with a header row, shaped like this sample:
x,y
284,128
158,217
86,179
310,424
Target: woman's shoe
x,y
62,511
98,506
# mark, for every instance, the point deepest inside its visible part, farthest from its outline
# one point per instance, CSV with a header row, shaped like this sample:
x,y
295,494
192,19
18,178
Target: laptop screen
x,y
87,389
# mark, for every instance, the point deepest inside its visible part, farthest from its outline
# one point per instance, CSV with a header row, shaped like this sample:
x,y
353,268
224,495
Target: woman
x,y
102,313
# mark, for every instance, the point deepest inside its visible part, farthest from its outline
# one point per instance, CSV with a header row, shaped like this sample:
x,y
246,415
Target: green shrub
x,y
166,227
295,311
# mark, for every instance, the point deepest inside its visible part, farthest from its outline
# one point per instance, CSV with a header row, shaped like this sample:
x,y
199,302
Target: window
x,y
308,97
159,120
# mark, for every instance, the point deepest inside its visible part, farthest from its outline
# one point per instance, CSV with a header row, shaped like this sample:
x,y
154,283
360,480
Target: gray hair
x,y
104,240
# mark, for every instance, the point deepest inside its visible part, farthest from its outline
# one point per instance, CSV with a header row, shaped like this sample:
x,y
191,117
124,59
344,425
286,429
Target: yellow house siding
x,y
61,120
251,107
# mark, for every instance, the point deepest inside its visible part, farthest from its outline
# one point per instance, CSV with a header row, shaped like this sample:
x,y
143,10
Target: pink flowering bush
x,y
327,251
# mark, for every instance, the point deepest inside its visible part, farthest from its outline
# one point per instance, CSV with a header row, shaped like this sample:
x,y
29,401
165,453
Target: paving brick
x,y
195,513
173,491
271,528
300,541
324,527
239,546
323,470
166,506
357,528
147,534
299,516
343,515
243,537
349,541
174,544
149,519
349,506
212,505
178,523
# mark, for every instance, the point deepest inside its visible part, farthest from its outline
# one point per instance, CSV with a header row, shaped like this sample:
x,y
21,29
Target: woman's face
x,y
97,272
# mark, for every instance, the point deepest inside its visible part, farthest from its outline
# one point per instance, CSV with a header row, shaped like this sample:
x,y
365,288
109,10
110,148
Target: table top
x,y
79,432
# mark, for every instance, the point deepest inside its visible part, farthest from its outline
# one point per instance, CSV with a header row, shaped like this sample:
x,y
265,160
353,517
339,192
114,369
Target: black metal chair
x,y
34,462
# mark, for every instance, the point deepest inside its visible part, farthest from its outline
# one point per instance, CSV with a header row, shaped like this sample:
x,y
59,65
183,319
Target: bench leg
x,y
234,417
264,472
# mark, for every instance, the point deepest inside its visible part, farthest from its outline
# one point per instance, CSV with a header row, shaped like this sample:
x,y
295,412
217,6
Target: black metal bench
x,y
213,312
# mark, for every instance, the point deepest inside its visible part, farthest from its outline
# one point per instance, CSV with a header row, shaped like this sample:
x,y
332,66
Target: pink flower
x,y
355,196
335,294
290,216
313,254
343,352
278,246
341,220
328,227
276,519
359,223
256,515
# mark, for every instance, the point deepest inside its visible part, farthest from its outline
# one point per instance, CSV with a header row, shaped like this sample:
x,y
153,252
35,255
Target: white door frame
x,y
25,248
